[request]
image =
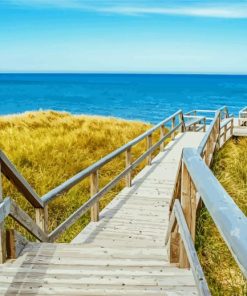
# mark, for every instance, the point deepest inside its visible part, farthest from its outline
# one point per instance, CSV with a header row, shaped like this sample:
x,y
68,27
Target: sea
x,y
145,97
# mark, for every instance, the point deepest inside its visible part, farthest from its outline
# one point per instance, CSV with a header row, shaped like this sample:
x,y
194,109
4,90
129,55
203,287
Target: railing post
x,y
193,202
162,134
204,125
94,184
181,120
225,133
173,126
149,145
2,228
194,127
128,164
232,126
218,132
42,218
173,251
186,206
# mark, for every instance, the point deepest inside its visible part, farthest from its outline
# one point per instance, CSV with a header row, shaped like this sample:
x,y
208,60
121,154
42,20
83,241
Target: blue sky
x,y
157,36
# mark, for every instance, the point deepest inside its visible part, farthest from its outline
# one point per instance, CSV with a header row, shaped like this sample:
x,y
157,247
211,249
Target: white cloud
x,y
143,7
183,11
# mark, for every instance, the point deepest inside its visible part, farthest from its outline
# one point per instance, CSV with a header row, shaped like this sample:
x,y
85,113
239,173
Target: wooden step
x,y
94,290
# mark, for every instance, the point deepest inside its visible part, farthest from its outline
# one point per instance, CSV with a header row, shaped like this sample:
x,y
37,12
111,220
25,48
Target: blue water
x,y
144,97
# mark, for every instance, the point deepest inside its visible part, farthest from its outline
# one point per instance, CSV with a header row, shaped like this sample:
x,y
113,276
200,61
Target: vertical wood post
x,y
225,132
211,147
232,125
217,133
162,134
128,164
149,145
2,228
193,202
204,125
94,186
42,218
173,126
194,127
186,206
181,120
174,246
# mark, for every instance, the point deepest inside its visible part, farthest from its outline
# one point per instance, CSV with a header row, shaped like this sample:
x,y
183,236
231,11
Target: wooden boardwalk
x,y
122,254
124,249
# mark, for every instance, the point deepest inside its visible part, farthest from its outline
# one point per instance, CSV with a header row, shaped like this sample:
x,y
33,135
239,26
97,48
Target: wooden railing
x,y
242,119
195,123
189,191
195,184
39,228
178,222
223,110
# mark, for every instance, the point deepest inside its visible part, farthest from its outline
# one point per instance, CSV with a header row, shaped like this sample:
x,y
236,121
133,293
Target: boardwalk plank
x,y
122,254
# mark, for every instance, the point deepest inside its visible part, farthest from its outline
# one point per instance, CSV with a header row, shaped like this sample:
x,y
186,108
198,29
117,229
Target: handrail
x,y
229,219
39,229
10,171
86,206
177,215
196,182
208,133
223,109
8,207
94,167
4,209
195,117
226,122
194,120
243,111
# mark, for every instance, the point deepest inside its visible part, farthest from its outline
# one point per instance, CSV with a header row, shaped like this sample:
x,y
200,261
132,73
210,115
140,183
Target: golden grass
x,y
50,147
223,275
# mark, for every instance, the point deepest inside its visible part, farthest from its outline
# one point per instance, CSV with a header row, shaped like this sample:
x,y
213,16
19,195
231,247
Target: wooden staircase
x,y
142,243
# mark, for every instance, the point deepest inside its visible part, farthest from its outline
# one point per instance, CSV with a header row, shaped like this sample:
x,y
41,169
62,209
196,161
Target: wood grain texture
x,y
128,160
15,243
3,213
124,253
11,173
94,187
26,221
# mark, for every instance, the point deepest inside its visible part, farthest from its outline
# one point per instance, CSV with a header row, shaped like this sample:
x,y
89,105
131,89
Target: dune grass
x,y
49,147
223,275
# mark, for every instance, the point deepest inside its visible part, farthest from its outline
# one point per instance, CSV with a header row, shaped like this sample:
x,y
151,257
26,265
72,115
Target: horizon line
x,y
120,73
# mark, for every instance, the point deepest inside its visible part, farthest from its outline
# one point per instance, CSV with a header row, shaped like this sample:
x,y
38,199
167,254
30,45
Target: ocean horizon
x,y
145,97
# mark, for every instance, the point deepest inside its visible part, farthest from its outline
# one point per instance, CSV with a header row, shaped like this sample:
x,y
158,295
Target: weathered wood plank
x,y
24,219
4,211
228,218
190,251
15,243
149,145
94,187
10,171
122,253
128,159
41,215
186,206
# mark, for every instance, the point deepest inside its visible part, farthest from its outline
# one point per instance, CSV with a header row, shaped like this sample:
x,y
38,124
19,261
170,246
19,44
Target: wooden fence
x,y
39,228
196,184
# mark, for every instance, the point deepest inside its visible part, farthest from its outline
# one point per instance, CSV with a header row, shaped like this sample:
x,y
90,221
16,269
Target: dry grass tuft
x,y
223,274
50,147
